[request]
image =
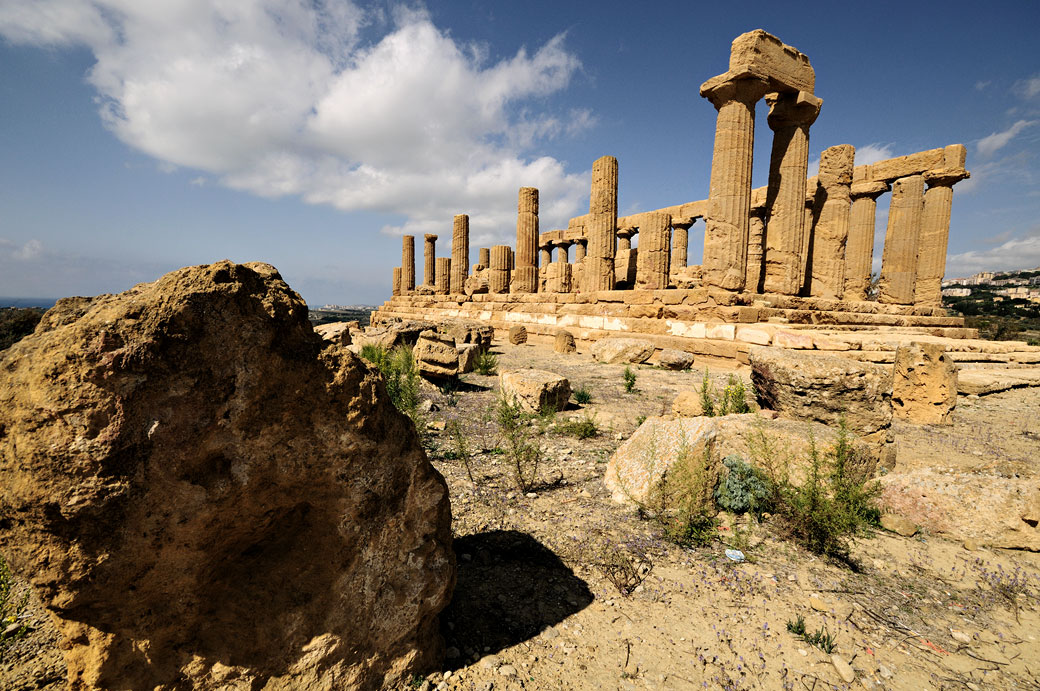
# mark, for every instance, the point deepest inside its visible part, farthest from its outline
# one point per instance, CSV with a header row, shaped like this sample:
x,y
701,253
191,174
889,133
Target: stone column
x,y
459,254
680,243
935,235
526,278
443,271
429,260
579,251
624,238
654,258
832,227
407,264
790,116
755,248
484,257
601,229
558,277
562,246
859,252
899,260
805,265
397,281
546,252
498,274
729,198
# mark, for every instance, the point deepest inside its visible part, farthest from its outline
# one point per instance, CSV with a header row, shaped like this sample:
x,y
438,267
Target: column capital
x,y
627,232
726,88
869,189
429,236
792,109
945,176
682,223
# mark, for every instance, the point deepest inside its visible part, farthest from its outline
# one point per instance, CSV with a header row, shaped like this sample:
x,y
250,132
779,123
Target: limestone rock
x,y
674,359
812,386
336,332
898,524
468,332
622,350
477,284
394,333
435,355
924,384
205,497
517,334
564,342
468,353
687,404
535,390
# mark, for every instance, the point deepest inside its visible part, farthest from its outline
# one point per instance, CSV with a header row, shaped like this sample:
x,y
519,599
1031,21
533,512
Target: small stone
x,y
885,672
844,670
442,686
899,525
507,671
517,335
585,493
447,675
451,653
531,495
818,604
803,652
425,686
960,636
11,629
491,662
550,633
970,545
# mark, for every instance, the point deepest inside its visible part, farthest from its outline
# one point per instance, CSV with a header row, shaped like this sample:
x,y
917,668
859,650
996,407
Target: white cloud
x,y
25,252
1021,252
872,153
282,97
200,181
987,146
1028,88
981,85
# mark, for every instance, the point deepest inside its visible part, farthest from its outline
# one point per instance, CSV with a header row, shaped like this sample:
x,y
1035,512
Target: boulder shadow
x,y
510,588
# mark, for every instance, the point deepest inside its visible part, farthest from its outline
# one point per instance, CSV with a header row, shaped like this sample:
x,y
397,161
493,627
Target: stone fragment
x,y
468,353
518,334
476,285
898,524
468,332
394,333
687,404
675,359
247,508
824,388
336,332
564,342
435,355
622,350
960,636
924,384
845,671
535,390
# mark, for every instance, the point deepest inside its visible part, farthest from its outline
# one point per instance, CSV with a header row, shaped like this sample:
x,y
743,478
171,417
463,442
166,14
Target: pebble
x,y
817,604
846,672
970,545
441,686
507,671
960,636
531,495
885,672
491,661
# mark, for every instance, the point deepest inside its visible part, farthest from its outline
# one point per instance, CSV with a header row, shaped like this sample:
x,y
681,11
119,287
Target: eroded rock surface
x,y
621,350
924,384
536,390
206,497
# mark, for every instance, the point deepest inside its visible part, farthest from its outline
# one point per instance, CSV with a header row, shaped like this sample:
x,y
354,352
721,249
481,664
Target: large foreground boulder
x,y
205,495
535,390
924,384
622,350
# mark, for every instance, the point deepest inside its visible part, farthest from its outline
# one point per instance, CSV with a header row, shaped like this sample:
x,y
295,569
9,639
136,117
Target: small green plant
x,y
732,400
582,395
486,363
640,419
744,488
585,428
707,395
450,390
630,380
821,639
461,451
797,627
402,380
10,608
524,455
374,353
685,501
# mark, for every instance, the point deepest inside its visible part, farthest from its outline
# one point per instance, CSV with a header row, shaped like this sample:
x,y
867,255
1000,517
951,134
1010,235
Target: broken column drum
x,y
600,232
899,259
459,254
653,260
498,275
407,264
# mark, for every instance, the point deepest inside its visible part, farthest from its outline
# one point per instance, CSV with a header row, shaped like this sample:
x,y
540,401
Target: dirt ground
x,y
535,607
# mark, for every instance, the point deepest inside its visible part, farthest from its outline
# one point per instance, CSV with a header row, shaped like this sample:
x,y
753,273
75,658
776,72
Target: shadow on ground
x,y
510,588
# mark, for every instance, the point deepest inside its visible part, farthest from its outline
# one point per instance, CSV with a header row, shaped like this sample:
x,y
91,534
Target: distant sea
x,y
46,303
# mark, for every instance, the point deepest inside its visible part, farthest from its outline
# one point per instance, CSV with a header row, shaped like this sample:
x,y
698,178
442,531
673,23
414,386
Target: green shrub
x,y
732,400
684,503
523,455
582,395
584,428
461,451
402,380
486,363
630,380
744,488
707,395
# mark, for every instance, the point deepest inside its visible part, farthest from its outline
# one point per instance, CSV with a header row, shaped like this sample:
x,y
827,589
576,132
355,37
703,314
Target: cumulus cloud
x,y
22,252
286,97
988,146
1022,252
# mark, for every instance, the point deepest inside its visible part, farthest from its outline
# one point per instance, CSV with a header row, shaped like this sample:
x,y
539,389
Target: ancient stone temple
x,y
787,264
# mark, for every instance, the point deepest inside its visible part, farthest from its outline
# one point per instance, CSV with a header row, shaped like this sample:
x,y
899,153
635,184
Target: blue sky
x,y
138,137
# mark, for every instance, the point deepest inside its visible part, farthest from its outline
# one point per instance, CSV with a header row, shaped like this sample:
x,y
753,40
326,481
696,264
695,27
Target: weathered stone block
x,y
674,359
621,350
535,390
924,384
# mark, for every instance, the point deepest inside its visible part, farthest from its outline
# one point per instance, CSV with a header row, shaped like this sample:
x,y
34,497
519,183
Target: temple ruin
x,y
788,264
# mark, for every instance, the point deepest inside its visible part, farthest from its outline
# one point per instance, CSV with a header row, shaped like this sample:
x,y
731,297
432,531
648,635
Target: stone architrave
x,y
498,274
526,278
832,227
935,226
899,260
443,272
396,281
407,264
558,277
729,198
459,254
859,252
602,226
790,116
755,256
680,243
653,259
430,260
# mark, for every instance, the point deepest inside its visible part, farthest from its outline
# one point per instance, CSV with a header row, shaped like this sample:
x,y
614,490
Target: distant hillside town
x,y
1024,285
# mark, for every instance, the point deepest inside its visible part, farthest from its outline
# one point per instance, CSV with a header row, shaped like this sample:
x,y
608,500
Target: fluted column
x,y
562,248
680,243
407,264
624,238
935,234
579,251
755,251
601,229
498,274
546,255
558,277
459,254
729,197
899,260
443,271
484,257
859,252
790,116
654,257
429,260
832,227
526,278
396,287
